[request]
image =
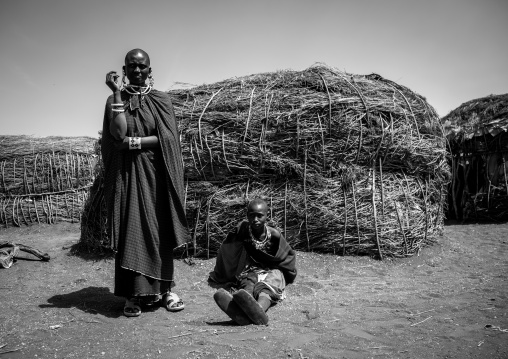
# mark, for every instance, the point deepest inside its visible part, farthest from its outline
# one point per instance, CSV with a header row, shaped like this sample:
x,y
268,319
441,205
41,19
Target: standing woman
x,y
143,187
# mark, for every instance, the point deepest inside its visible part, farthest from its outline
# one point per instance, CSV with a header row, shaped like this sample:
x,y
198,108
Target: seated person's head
x,y
257,211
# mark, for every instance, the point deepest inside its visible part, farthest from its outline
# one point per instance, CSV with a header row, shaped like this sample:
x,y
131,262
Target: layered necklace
x,y
260,244
137,95
137,90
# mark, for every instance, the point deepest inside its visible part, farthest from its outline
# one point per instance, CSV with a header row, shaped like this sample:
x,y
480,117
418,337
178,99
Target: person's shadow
x,y
91,300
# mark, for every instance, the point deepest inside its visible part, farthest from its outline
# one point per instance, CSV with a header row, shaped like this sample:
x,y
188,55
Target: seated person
x,y
258,262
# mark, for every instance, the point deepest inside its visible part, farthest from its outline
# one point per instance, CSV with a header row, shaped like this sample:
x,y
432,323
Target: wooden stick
x,y
297,135
34,177
20,204
36,212
345,222
264,126
356,216
3,214
410,109
305,200
5,351
329,106
247,191
2,166
322,143
185,195
78,174
25,182
424,195
14,172
381,140
505,178
68,171
30,202
374,209
52,180
367,112
196,228
52,212
285,210
203,112
488,193
271,206
76,190
59,174
412,325
248,117
207,228
401,228
224,152
382,189
211,157
359,140
193,159
199,158
13,211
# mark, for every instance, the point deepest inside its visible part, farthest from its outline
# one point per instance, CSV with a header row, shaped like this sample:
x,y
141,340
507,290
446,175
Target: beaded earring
x,y
151,81
124,83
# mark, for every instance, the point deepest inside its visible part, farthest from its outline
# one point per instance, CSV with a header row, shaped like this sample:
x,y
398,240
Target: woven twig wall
x,y
363,160
45,179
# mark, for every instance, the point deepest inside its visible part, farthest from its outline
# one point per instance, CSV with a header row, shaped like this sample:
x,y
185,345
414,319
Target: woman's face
x,y
137,68
256,215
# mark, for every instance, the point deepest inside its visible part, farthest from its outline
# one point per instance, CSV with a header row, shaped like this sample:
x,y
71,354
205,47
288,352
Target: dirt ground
x,y
449,302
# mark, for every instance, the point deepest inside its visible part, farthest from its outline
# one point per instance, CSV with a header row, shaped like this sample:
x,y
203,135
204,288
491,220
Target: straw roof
x,y
485,115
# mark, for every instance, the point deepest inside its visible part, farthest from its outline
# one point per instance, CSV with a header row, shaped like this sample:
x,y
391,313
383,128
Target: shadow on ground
x,y
92,300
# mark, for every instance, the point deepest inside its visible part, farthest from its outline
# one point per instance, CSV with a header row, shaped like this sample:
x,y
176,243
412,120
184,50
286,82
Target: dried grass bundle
x,y
350,164
263,124
45,179
42,208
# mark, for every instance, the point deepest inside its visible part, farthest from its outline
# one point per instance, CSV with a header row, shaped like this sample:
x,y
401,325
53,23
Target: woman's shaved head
x,y
137,53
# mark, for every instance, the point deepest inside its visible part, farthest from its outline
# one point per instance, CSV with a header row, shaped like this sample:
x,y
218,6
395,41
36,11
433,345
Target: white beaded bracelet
x,y
117,110
134,143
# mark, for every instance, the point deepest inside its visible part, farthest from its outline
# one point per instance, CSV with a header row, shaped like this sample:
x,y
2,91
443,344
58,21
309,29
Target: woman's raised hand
x,y
111,78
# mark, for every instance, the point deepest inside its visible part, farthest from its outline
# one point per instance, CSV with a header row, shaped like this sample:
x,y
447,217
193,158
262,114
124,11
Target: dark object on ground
x,y
9,252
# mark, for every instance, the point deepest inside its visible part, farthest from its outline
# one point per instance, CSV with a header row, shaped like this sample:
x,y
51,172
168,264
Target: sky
x,y
55,53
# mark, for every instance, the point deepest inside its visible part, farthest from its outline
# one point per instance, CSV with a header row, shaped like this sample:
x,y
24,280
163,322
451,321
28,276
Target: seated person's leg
x,y
248,281
271,287
264,299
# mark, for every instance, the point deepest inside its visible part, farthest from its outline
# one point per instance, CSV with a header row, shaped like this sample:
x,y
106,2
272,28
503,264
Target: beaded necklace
x,y
143,90
260,244
134,101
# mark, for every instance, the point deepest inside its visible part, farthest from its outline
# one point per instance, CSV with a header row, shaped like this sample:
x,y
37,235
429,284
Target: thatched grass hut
x,y
44,179
478,141
350,164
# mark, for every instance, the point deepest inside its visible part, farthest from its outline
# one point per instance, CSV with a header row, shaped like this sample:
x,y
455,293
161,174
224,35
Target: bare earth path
x,y
450,302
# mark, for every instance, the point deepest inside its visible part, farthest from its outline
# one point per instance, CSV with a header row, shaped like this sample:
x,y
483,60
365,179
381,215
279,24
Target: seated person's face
x,y
256,215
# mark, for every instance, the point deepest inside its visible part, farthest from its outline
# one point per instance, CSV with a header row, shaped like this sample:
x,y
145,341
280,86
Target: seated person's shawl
x,y
232,256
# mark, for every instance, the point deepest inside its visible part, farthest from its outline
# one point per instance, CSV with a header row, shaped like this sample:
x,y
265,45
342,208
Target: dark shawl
x,y
232,253
161,108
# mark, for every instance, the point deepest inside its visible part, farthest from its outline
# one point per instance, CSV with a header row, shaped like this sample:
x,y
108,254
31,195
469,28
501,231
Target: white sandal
x,y
132,308
172,302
